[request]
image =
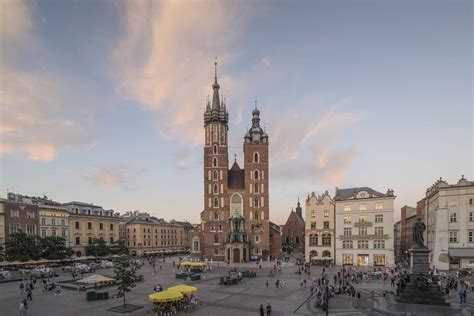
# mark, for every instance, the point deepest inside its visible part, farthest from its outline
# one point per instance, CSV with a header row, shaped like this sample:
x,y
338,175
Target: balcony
x,y
363,224
361,237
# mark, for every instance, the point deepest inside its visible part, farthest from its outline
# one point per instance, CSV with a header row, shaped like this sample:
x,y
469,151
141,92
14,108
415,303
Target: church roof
x,y
299,219
236,177
235,166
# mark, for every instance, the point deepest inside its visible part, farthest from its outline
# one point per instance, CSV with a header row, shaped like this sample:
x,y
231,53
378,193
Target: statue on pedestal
x,y
418,229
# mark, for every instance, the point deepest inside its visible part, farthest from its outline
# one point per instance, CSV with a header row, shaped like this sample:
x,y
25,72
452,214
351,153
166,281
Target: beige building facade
x,y
320,227
364,227
2,224
53,221
449,217
88,221
146,234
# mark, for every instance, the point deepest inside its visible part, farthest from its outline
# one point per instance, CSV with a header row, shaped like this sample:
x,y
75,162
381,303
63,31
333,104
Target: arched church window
x,y
256,175
256,157
215,149
256,188
215,176
216,216
256,216
214,162
216,189
196,245
216,239
236,204
256,203
216,202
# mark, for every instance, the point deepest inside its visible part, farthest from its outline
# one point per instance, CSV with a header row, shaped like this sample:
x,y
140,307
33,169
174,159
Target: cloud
x,y
164,59
266,61
183,158
35,104
106,177
305,146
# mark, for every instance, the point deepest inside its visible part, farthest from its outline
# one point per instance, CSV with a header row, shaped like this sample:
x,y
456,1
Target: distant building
x,y
293,231
449,214
364,227
19,198
53,221
148,234
320,227
89,221
397,235
275,241
20,217
187,226
2,224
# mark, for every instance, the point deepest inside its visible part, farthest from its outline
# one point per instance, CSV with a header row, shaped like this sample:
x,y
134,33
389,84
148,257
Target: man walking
x,y
262,310
22,287
269,309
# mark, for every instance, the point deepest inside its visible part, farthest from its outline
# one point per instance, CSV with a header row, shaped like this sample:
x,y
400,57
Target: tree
x,y
126,276
119,248
98,248
2,254
23,247
54,248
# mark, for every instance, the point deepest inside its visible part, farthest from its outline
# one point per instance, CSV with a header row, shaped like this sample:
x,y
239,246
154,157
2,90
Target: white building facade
x,y
319,232
364,227
449,214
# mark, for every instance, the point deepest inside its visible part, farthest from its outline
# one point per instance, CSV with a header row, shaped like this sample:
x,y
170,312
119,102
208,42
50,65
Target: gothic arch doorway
x,y
236,255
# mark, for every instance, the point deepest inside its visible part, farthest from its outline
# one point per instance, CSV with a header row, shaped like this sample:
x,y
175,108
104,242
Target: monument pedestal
x,y
418,290
419,260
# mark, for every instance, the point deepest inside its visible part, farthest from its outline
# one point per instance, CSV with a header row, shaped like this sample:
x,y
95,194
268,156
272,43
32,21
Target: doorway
x,y
236,255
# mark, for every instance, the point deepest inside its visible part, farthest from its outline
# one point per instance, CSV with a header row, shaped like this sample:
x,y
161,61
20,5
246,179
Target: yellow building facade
x,y
148,234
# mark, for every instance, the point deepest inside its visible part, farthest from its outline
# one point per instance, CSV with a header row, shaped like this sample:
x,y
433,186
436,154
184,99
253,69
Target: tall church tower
x,y
256,180
216,166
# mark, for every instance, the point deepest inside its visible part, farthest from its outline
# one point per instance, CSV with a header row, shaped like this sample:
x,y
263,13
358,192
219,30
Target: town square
x,y
172,157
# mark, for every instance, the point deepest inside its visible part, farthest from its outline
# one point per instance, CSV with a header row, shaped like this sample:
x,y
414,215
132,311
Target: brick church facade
x,y
235,224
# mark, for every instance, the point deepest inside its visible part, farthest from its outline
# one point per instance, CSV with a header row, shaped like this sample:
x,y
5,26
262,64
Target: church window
x,y
262,190
263,175
220,228
251,214
216,189
216,216
221,176
215,176
222,188
256,157
262,204
256,188
216,202
222,202
251,188
210,203
216,239
214,162
255,202
255,175
262,215
209,189
256,216
214,150
209,175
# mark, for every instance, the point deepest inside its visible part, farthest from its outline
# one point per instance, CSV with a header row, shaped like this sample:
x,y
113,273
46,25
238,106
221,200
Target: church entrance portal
x,y
236,255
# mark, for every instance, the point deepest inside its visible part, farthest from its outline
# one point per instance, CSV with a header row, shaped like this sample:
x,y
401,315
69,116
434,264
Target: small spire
x,y
215,69
255,104
235,157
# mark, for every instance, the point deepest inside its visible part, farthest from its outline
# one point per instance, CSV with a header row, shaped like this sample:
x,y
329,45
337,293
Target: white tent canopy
x,y
95,278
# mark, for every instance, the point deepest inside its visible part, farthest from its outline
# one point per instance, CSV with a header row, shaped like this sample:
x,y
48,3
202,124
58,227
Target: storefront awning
x,y
461,252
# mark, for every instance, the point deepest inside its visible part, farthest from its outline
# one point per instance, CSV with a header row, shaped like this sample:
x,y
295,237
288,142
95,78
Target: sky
x,y
102,101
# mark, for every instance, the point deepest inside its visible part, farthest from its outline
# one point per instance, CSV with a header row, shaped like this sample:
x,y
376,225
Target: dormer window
x,y
76,210
89,212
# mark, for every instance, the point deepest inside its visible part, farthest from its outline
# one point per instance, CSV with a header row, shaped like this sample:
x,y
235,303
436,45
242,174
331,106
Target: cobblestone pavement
x,y
241,299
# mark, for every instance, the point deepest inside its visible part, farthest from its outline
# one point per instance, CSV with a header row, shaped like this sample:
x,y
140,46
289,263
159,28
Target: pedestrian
x,y
22,308
29,294
262,310
22,287
266,284
269,309
460,296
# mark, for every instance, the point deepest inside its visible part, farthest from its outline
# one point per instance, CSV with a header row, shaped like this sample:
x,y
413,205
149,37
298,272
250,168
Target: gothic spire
x,y
215,98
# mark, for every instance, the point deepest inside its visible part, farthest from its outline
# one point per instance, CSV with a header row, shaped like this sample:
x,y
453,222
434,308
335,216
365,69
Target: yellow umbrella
x,y
198,264
186,263
165,296
184,289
